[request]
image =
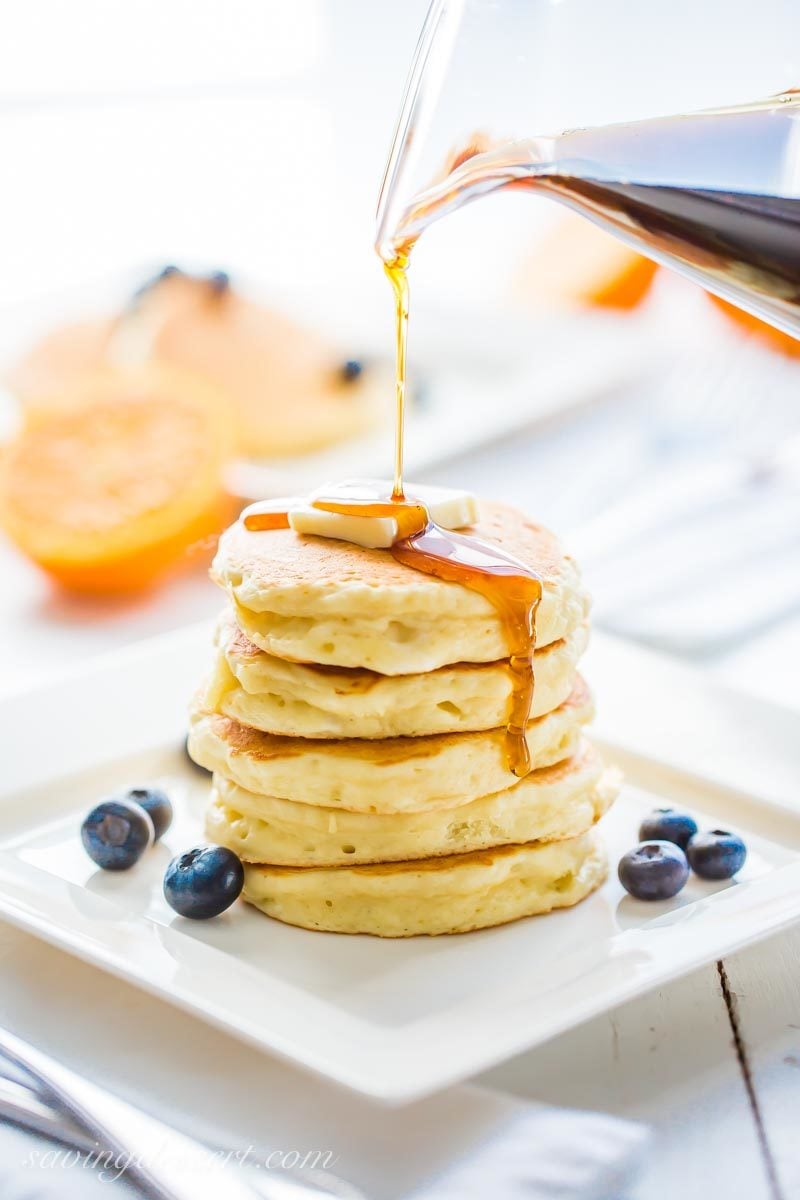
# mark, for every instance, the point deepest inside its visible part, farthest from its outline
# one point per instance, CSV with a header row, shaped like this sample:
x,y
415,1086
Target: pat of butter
x,y
449,507
376,533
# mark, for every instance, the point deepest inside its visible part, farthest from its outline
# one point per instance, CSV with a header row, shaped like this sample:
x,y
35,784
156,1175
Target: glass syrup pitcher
x,y
674,135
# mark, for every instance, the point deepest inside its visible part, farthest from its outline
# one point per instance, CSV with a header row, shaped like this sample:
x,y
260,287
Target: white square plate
x,y
396,1019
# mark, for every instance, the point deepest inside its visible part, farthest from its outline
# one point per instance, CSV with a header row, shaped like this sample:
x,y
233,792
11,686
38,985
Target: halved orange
x,y
124,485
775,338
577,264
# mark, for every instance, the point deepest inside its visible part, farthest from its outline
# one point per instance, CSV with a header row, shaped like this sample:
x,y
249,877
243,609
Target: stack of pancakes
x,y
354,724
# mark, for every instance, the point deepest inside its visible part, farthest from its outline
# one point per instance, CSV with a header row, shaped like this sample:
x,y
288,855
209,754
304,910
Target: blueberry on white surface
x,y
203,882
668,825
156,804
654,870
116,834
716,854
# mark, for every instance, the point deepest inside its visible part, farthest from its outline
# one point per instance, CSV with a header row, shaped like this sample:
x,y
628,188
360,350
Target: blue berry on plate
x,y
654,870
203,882
350,370
116,834
156,804
716,854
668,825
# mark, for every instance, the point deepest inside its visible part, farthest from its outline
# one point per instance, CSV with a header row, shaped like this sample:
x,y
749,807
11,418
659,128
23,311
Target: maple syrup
x,y
508,584
258,522
513,589
397,273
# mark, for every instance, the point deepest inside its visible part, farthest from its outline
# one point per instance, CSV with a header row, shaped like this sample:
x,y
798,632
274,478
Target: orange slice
x,y
577,264
775,338
124,485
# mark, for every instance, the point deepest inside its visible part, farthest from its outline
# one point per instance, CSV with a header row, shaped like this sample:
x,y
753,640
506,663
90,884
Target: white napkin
x,y
546,1154
539,1154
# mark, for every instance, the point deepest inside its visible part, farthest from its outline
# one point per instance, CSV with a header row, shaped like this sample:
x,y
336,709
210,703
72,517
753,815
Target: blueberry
x,y
668,825
203,882
116,834
219,282
156,804
149,284
716,854
350,370
654,870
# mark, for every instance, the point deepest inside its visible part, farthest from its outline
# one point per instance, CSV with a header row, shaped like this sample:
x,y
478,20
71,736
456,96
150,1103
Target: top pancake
x,y
313,599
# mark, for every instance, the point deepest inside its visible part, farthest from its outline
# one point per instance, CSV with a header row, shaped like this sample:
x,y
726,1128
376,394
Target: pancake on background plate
x,y
289,391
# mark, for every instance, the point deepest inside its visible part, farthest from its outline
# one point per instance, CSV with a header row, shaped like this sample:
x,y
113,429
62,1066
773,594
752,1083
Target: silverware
x,y
19,1105
165,1164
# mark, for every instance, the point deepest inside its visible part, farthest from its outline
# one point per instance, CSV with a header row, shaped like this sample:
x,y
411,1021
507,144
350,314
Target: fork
x,y
165,1164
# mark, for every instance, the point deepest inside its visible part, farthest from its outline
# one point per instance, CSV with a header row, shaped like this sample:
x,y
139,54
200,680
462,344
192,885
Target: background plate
x,y
475,379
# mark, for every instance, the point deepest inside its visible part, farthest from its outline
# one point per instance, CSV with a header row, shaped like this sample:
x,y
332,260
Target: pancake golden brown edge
x,y
305,700
393,775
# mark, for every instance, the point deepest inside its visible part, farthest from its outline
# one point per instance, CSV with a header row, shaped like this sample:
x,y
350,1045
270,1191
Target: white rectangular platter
x,y
394,1020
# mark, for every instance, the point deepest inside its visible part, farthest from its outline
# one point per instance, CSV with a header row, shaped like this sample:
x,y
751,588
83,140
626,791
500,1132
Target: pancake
x,y
284,384
303,700
453,894
316,600
285,380
557,802
392,775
